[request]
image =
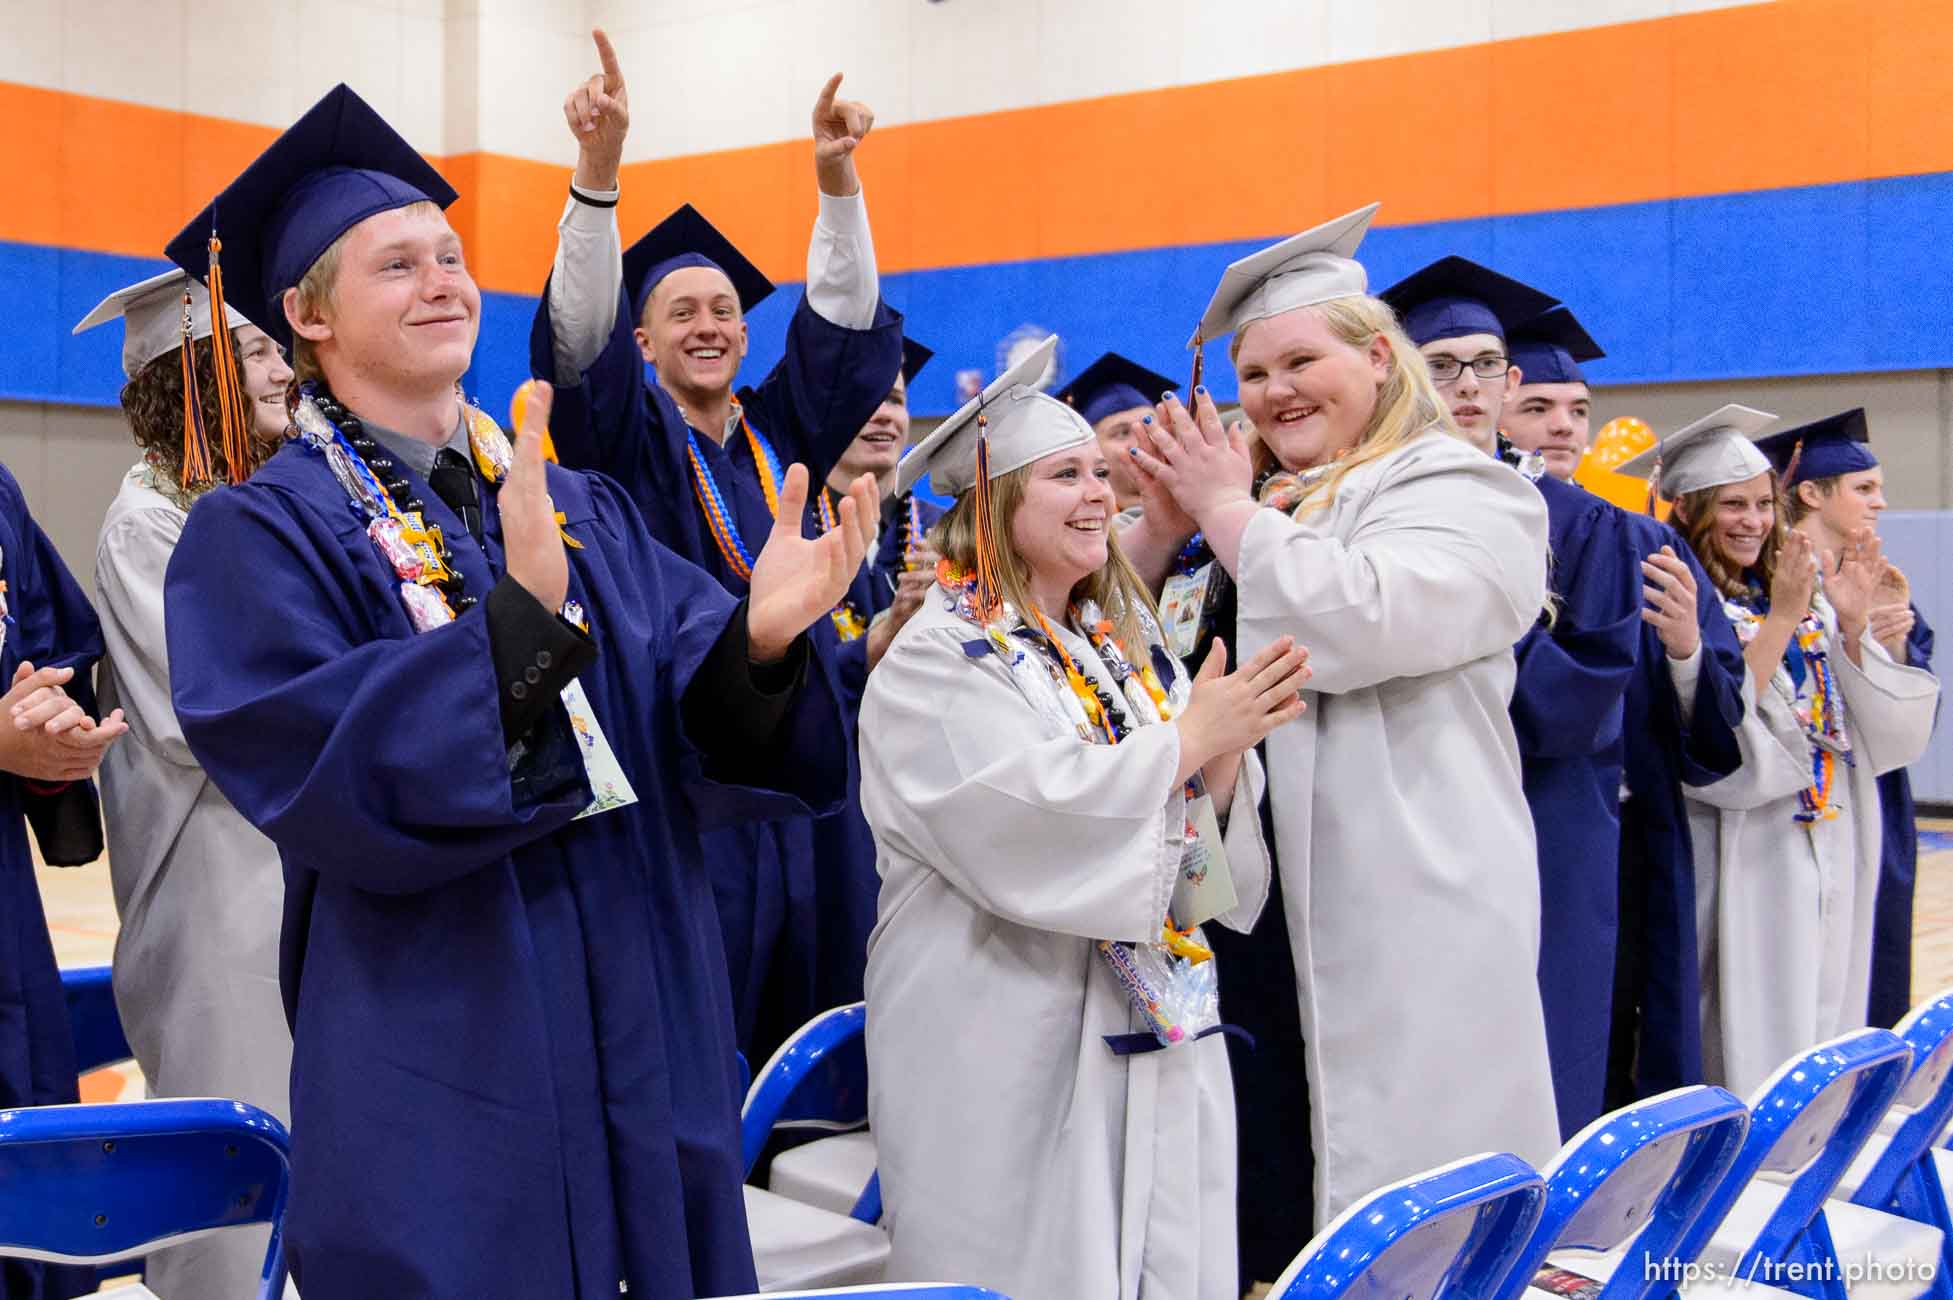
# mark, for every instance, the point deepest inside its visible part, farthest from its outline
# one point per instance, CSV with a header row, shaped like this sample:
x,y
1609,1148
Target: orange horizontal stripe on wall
x,y
1770,95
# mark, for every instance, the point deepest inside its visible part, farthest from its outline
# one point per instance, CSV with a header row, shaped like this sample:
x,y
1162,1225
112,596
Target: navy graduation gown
x,y
1891,993
1567,713
788,958
513,1062
899,533
50,624
1658,1000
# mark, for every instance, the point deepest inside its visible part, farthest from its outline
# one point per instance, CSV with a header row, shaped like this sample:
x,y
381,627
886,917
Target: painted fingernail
x,y
1147,420
1133,452
1167,396
1200,390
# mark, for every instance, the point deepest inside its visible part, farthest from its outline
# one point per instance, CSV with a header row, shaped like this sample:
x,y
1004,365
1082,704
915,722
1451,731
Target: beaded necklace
x,y
1807,661
718,515
912,543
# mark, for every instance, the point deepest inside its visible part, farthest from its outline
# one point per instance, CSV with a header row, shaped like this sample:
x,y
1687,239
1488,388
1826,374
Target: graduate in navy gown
x,y
904,559
50,746
1683,701
1573,670
703,464
1834,485
1116,396
485,717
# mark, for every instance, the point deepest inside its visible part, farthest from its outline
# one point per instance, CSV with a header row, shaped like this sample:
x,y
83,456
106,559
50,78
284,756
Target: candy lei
x,y
847,620
430,587
1823,720
912,544
718,514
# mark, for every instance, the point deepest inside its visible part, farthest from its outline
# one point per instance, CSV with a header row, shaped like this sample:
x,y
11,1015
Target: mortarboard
x,y
1454,296
1301,271
1019,424
1837,444
332,169
686,238
914,358
1549,348
1714,450
1112,384
152,317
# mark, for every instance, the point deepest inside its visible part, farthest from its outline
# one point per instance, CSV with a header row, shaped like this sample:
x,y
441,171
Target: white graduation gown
x,y
1016,1150
198,889
1783,908
1402,833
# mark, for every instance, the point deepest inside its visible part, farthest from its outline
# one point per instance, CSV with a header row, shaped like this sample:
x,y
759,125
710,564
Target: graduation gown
x,y
899,533
49,623
1572,677
1784,908
1891,995
1016,1149
1402,832
788,955
1657,1004
513,1063
198,889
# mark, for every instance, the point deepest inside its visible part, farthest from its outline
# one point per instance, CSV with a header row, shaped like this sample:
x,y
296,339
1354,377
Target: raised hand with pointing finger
x,y
599,114
840,125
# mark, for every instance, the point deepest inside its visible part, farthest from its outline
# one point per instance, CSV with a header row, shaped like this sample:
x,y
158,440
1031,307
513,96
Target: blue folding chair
x,y
1639,1176
1808,1122
818,1081
1454,1233
1899,1171
93,1019
104,1183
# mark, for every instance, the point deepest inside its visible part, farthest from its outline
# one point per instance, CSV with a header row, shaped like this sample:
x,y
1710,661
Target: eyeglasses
x,y
1489,366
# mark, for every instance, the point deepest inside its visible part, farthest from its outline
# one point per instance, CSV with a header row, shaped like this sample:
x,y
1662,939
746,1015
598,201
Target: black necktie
x,y
453,480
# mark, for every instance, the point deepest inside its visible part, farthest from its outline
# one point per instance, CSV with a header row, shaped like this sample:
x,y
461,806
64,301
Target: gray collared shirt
x,y
419,456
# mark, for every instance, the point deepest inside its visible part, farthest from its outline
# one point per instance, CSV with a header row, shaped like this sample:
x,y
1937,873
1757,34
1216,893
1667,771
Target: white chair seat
x,y
798,1245
829,1172
1601,1269
1886,1257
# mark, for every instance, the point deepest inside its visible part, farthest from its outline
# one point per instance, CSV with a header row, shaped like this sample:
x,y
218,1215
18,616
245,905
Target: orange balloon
x,y
1619,440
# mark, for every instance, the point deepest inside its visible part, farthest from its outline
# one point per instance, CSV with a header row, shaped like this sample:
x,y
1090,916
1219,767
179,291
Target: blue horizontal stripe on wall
x,y
1818,280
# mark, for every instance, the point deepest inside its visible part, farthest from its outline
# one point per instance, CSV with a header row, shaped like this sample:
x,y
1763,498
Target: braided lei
x,y
718,515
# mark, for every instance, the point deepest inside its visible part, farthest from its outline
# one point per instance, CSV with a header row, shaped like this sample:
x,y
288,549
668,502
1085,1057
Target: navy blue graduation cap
x,y
686,238
332,169
914,358
1549,348
1837,444
1453,297
1112,384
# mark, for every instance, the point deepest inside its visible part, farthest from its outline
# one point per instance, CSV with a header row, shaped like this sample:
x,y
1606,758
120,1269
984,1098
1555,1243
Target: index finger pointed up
x,y
825,104
613,74
529,437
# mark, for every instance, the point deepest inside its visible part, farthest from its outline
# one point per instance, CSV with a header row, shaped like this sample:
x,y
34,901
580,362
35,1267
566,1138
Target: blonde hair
x,y
315,291
1116,587
1408,405
1695,519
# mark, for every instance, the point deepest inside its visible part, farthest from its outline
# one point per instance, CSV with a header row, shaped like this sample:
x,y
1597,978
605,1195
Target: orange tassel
x,y
230,380
196,441
989,589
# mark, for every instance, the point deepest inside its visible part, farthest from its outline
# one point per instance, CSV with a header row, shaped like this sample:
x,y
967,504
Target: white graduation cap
x,y
1301,271
152,317
1715,450
1020,423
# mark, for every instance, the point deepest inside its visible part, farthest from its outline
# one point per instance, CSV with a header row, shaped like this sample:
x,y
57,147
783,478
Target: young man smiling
x,y
485,719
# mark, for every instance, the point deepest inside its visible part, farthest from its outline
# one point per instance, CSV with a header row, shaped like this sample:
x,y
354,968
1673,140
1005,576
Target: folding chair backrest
x,y
1451,1234
818,1079
1643,1174
1807,1122
99,1183
93,1019
1923,1105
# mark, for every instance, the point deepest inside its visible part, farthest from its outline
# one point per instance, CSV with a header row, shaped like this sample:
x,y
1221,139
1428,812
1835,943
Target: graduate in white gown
x,y
1409,563
1787,847
1027,748
198,889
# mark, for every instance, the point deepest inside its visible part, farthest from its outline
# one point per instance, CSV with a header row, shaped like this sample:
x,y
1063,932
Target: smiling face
x,y
265,376
1744,515
1846,503
694,333
1476,401
1308,394
1059,528
1553,420
878,446
401,312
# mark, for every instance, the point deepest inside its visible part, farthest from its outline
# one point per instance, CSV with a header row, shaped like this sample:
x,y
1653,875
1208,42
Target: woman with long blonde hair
x,y
1409,563
1787,847
1058,808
